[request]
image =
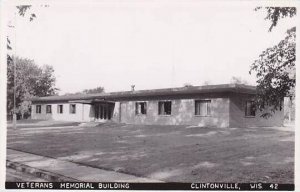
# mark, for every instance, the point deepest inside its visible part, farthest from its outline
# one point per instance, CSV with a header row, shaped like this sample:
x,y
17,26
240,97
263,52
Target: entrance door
x,y
104,111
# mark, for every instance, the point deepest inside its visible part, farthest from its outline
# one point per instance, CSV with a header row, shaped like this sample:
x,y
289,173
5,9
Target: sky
x,y
149,44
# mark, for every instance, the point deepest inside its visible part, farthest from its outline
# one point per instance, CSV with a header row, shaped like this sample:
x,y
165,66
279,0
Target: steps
x,y
90,124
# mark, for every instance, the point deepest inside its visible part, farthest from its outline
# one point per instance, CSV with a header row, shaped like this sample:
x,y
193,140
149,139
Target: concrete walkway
x,y
58,170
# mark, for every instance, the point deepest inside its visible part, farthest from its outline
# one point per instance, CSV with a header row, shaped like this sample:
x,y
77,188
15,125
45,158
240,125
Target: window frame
x,y
137,112
208,107
70,109
253,106
38,109
164,102
58,109
47,107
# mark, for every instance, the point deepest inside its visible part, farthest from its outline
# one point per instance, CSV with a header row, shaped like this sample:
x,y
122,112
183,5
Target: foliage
x,y
188,85
207,82
31,80
94,90
275,68
22,9
276,13
276,73
238,80
8,44
88,91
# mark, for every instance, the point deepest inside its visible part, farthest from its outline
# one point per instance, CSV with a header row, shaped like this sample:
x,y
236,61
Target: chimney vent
x,y
132,87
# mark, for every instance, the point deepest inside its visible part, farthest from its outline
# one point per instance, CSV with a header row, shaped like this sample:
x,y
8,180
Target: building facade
x,y
228,105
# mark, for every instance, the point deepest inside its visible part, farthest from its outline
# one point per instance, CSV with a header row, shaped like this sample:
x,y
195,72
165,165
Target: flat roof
x,y
235,88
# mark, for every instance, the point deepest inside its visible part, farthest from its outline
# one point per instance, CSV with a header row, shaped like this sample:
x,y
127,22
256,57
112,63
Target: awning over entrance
x,y
103,109
81,101
102,101
91,101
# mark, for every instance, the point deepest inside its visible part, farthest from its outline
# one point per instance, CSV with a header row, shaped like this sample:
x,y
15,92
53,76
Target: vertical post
x,y
14,62
82,112
120,112
14,109
290,109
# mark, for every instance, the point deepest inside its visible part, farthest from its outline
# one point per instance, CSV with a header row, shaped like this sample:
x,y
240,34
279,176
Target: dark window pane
x,y
168,108
250,108
59,108
160,108
140,108
164,108
72,108
202,107
144,108
38,109
136,108
48,109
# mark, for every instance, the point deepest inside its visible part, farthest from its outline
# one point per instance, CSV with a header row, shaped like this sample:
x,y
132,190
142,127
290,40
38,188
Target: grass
x,y
26,121
169,153
30,123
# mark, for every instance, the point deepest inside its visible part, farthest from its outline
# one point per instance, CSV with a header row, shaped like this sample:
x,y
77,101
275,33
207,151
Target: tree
x,y
22,9
31,81
238,80
207,82
274,14
88,91
187,85
275,67
94,90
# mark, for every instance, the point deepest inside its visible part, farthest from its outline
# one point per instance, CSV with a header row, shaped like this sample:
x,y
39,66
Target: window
x,y
164,107
48,109
72,108
202,107
60,109
140,108
38,109
250,109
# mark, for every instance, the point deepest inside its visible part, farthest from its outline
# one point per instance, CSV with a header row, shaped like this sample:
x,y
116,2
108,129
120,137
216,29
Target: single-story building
x,y
226,105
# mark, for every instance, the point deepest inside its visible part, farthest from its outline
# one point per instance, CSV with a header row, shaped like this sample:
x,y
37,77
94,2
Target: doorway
x,y
104,111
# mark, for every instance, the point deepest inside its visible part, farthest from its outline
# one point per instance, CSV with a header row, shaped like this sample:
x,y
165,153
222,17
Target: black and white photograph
x,y
148,95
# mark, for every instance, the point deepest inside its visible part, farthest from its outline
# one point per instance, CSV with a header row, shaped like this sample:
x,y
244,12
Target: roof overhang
x,y
81,101
90,101
130,95
102,101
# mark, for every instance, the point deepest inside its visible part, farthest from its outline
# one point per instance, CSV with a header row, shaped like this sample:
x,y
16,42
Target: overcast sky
x,y
149,44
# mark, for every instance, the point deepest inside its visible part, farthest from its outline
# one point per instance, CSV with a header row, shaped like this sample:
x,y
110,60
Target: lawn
x,y
29,123
169,153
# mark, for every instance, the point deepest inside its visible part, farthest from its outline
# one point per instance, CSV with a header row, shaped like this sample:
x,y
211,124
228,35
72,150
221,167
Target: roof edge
x,y
238,88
